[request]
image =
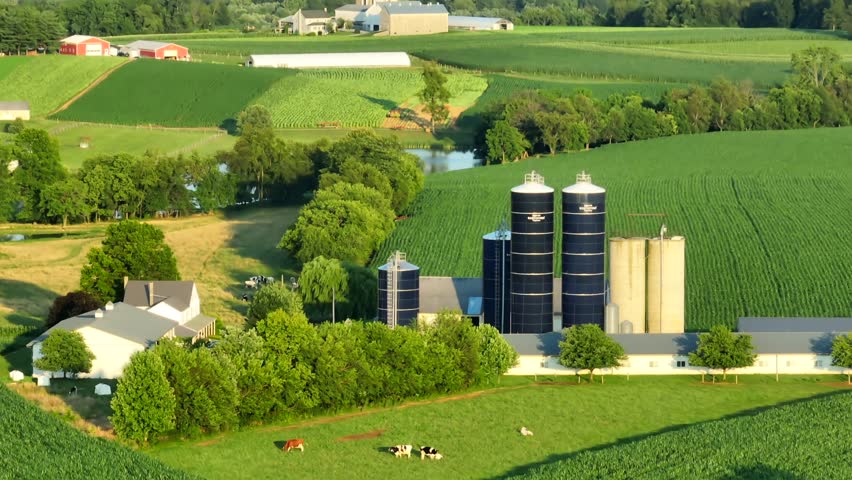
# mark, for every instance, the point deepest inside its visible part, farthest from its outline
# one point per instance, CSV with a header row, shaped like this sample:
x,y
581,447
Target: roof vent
x,y
584,177
109,306
99,313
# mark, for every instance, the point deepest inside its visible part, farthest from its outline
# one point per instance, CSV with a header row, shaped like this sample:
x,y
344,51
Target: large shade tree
x,y
841,354
66,352
720,349
587,347
144,403
132,249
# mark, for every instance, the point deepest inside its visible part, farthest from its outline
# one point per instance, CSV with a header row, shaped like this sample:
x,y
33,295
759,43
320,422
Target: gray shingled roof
x,y
177,294
352,8
413,8
766,343
15,105
125,321
794,324
453,293
316,14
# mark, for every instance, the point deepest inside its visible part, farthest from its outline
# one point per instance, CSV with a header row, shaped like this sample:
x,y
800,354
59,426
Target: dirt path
x,y
87,89
361,436
451,398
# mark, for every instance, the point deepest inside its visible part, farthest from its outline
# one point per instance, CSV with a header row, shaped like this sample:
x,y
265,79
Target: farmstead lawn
x,y
478,434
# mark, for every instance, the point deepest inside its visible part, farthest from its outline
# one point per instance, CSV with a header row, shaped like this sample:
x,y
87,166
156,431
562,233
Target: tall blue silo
x,y
532,257
496,280
399,291
583,248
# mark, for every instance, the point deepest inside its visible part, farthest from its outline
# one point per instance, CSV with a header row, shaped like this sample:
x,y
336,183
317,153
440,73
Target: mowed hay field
x,y
218,252
478,432
173,94
48,81
765,215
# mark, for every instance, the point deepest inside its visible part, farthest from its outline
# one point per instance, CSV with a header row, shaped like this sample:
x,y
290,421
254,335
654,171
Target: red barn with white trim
x,y
158,50
84,46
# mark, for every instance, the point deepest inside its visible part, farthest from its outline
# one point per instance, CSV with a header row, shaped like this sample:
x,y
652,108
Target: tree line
x,y
819,94
285,368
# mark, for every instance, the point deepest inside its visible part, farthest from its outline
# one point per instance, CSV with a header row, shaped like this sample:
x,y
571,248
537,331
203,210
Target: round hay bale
x,y
16,375
103,389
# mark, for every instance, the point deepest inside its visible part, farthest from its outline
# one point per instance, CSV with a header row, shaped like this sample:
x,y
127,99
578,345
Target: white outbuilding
x,y
16,375
331,60
457,22
103,389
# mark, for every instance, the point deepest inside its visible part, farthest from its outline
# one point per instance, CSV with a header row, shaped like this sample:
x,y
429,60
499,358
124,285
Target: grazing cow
x,y
250,283
73,390
526,432
401,450
430,452
295,443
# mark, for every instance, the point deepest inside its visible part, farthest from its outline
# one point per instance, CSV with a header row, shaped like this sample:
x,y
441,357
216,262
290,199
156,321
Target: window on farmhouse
x,y
681,363
818,363
652,364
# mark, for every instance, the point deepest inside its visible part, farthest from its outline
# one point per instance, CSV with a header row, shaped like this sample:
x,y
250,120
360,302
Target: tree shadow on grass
x,y
25,299
382,102
562,457
760,472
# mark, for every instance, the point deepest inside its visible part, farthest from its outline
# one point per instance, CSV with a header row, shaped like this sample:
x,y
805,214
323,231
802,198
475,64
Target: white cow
x,y
401,450
525,432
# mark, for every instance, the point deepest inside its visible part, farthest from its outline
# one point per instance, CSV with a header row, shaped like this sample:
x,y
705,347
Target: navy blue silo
x,y
532,257
583,247
399,291
496,280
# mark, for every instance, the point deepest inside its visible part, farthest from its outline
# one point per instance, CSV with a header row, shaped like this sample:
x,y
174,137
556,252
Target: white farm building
x,y
479,23
331,60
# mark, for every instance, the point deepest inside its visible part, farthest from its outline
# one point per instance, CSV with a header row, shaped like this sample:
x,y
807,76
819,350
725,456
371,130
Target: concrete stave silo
x,y
583,251
399,291
666,291
532,257
627,275
496,279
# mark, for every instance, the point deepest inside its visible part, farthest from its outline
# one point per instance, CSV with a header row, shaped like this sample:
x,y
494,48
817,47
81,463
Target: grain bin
x,y
583,249
666,291
611,318
627,279
496,280
532,257
399,291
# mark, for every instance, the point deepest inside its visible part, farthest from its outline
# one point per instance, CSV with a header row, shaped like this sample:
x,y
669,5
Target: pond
x,y
436,161
20,237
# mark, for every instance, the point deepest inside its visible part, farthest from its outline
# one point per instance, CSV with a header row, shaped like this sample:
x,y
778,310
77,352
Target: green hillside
x,y
765,215
806,440
49,81
37,445
174,94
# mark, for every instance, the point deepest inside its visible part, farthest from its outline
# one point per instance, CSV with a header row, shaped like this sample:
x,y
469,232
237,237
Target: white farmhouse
x,y
150,311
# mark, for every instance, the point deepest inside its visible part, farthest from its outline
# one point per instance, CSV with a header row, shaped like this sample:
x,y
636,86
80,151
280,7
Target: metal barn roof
x,y
451,293
794,324
16,105
461,21
331,60
413,8
75,39
352,8
148,45
175,293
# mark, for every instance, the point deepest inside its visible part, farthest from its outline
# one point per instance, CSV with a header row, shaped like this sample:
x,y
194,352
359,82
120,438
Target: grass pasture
x,y
172,94
806,440
7,65
478,432
48,81
767,229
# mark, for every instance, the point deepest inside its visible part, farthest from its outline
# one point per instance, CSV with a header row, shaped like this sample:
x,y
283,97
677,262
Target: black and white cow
x,y
430,452
401,450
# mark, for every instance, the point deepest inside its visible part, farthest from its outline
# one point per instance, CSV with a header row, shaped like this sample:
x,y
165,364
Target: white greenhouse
x,y
331,60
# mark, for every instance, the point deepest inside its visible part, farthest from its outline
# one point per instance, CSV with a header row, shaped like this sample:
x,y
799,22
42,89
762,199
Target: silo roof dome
x,y
584,185
533,183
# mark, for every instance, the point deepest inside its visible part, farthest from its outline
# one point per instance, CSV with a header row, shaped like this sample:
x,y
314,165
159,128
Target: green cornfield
x,y
765,215
808,440
172,94
38,445
48,81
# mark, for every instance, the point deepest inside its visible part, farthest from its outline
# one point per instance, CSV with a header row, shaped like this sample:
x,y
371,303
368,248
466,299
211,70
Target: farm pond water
x,y
437,161
20,237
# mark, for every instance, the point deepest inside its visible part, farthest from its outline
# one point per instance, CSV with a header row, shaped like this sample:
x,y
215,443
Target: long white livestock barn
x,y
331,60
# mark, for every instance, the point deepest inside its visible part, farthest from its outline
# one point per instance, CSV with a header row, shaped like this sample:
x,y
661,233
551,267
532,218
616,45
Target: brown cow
x,y
295,443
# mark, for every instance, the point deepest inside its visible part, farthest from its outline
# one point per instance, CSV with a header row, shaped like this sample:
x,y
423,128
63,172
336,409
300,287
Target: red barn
x,y
84,46
158,50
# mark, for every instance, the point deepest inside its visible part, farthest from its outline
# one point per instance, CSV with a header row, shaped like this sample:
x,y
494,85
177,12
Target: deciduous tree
x,y
144,403
496,356
587,347
435,94
65,351
841,354
722,350
324,281
71,305
277,296
39,167
505,143
64,199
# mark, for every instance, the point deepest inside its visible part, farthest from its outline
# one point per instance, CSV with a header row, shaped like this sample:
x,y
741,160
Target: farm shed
x,y
347,13
84,46
150,311
413,18
450,293
331,60
158,50
479,23
369,20
10,111
304,22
